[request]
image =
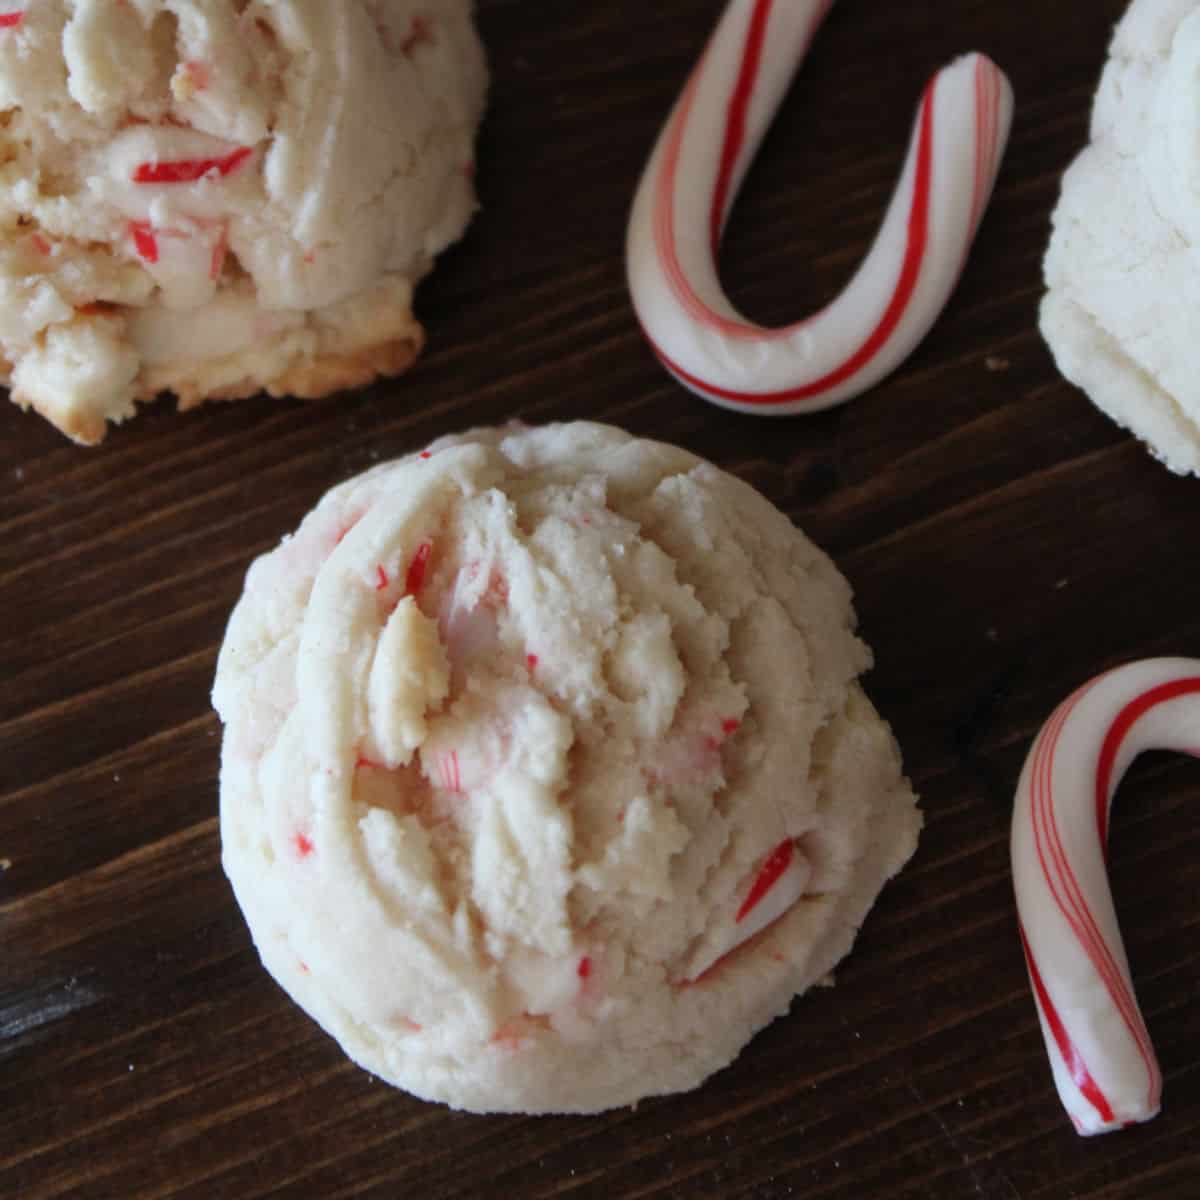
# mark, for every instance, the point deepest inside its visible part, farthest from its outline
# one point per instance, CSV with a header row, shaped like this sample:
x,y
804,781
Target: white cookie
x,y
546,779
1122,309
218,198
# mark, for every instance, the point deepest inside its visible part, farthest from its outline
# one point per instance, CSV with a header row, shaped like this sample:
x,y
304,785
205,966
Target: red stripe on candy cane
x,y
735,122
905,281
1119,731
1066,1048
1088,930
666,231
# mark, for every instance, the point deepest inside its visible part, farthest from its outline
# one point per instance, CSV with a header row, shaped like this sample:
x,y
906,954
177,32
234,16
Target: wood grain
x,y
1004,540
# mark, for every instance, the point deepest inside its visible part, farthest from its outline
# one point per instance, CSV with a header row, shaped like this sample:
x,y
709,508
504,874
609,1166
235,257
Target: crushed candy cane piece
x,y
144,241
777,862
189,170
414,579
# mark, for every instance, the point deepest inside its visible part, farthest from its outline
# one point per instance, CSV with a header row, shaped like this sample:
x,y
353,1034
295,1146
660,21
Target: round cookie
x,y
221,197
1123,266
547,779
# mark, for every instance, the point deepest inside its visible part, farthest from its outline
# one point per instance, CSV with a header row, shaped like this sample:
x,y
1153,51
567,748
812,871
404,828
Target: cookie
x,y
1122,269
547,779
215,198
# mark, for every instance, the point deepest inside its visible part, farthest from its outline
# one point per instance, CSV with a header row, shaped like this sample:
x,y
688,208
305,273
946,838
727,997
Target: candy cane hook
x,y
1100,1053
693,176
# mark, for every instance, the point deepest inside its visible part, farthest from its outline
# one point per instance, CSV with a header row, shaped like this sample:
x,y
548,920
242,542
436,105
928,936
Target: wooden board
x,y
1004,540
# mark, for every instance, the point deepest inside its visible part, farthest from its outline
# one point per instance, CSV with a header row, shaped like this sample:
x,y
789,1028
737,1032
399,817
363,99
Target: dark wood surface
x,y
1005,543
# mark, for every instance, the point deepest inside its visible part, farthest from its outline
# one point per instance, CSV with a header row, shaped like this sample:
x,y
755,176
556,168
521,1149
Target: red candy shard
x,y
531,661
414,580
585,967
425,454
730,725
363,761
11,20
304,846
383,579
188,170
41,245
144,241
776,863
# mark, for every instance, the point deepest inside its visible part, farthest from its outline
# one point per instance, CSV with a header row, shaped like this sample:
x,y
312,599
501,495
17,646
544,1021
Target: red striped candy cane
x,y
693,176
1100,1053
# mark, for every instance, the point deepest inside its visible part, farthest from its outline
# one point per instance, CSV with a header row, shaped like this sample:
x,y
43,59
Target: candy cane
x,y
693,176
776,885
1100,1052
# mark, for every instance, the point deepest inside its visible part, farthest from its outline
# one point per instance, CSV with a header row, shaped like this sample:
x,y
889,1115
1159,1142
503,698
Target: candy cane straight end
x,y
692,178
1103,1064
